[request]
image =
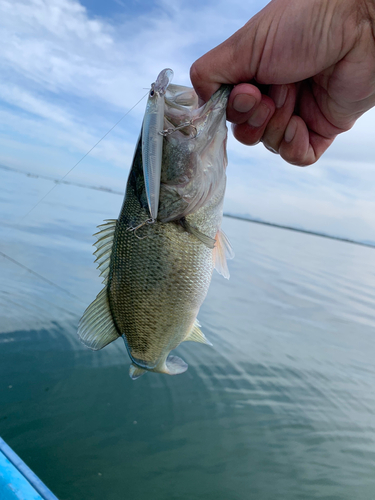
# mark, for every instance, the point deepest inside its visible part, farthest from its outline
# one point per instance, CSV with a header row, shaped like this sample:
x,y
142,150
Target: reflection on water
x,y
283,405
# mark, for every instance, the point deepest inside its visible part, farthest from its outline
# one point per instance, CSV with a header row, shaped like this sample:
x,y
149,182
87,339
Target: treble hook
x,y
169,131
134,229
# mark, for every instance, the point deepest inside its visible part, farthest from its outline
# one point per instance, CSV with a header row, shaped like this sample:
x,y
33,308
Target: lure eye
x,y
152,93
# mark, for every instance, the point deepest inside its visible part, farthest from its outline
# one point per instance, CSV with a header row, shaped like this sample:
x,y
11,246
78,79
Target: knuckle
x,y
196,75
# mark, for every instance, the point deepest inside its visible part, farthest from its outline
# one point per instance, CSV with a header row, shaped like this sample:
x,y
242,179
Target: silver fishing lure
x,y
152,139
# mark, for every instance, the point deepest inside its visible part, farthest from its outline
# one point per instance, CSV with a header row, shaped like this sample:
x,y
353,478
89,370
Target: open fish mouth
x,y
194,151
182,110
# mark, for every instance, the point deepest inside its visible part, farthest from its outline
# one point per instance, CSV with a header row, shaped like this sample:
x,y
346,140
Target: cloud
x,y
335,195
67,77
69,74
56,46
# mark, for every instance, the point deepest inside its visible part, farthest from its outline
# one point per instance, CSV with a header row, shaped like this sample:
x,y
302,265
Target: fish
x,y
158,257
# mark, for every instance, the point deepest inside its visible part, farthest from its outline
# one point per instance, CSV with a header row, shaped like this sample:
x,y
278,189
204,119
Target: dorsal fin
x,y
96,328
104,245
222,251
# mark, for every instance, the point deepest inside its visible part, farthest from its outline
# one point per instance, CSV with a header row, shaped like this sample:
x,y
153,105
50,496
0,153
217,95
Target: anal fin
x,y
96,328
196,335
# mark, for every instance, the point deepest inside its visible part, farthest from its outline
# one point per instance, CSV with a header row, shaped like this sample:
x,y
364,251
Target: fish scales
x,y
158,271
159,294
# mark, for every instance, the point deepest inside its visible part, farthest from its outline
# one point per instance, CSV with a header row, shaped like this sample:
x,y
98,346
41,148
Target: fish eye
x,y
152,93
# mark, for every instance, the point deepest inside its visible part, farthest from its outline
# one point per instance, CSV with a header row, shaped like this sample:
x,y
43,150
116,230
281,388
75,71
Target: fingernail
x,y
278,95
243,103
290,131
271,149
259,116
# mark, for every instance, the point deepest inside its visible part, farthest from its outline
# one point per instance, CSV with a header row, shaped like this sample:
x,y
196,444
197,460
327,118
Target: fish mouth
x,y
217,101
211,112
180,100
220,97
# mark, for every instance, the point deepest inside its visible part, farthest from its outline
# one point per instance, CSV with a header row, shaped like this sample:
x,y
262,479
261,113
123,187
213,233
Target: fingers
x,y
288,134
249,111
284,97
256,117
202,86
301,146
242,102
227,63
268,118
250,132
209,71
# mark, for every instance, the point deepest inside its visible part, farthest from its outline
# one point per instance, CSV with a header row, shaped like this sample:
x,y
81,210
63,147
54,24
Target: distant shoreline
x,y
231,216
298,230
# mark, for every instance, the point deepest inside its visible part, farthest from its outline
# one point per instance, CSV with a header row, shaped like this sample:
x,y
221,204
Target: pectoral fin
x,y
136,372
206,240
222,251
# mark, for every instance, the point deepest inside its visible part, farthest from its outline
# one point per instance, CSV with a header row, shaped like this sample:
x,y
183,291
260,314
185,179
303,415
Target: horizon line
x,y
298,230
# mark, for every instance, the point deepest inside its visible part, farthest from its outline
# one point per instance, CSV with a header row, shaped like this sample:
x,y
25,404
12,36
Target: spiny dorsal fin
x,y
222,251
104,245
96,328
196,335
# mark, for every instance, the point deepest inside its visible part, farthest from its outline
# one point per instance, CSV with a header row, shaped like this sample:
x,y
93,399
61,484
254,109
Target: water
x,y
283,405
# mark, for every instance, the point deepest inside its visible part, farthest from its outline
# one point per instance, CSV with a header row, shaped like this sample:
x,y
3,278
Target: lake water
x,y
281,407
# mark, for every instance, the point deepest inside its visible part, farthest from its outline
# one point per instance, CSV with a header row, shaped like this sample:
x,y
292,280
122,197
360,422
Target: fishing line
x,y
39,276
46,280
29,306
59,181
83,157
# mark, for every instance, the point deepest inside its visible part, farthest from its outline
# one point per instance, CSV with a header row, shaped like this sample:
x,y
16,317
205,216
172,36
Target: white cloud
x,y
68,76
76,75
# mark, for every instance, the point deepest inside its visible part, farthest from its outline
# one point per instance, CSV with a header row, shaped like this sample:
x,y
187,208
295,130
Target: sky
x,y
70,70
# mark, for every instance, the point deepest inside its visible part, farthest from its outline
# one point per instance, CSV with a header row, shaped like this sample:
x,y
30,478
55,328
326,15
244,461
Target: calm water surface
x,y
283,405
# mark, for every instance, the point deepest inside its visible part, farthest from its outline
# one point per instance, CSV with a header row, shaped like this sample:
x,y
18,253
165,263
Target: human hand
x,y
304,72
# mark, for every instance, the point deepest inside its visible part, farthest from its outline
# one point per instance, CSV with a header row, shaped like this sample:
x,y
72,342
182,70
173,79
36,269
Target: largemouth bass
x,y
157,259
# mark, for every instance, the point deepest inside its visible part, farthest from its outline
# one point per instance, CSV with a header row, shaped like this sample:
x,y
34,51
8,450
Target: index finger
x,y
221,65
